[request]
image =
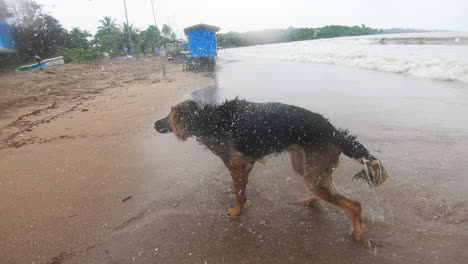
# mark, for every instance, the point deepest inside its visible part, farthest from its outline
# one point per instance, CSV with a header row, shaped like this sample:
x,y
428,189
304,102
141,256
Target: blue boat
x,y
31,66
202,46
44,63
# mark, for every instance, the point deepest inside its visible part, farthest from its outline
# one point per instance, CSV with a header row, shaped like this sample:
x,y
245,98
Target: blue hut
x,y
202,40
202,47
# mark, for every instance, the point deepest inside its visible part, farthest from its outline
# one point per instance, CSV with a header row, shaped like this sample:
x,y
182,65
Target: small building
x,y
7,43
202,40
171,48
184,46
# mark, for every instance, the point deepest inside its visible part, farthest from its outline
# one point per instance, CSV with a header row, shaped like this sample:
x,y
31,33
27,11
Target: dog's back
x,y
259,129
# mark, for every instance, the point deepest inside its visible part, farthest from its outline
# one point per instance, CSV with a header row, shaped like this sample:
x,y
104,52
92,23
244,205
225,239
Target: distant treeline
x,y
39,33
268,36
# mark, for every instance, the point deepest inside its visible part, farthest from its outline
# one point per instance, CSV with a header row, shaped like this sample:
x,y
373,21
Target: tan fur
x,y
178,127
239,166
317,166
297,159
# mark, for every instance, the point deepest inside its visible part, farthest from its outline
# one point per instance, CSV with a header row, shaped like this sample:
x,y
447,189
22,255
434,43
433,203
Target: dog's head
x,y
181,120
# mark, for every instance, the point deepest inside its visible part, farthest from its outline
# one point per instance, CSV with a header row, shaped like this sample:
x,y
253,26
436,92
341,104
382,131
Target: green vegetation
x,y
38,33
78,39
235,39
79,54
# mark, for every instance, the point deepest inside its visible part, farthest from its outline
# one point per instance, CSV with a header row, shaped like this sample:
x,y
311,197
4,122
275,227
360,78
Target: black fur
x,y
259,129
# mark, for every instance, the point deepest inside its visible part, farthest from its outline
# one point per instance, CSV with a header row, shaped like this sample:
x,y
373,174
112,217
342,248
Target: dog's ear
x,y
190,107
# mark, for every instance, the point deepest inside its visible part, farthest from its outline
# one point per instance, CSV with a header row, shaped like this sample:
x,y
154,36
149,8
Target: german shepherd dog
x,y
242,132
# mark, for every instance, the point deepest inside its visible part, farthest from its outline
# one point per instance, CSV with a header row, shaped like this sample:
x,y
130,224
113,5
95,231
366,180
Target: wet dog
x,y
242,132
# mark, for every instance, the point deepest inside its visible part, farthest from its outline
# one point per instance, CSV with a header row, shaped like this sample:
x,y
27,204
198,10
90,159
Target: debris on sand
x,y
126,199
64,256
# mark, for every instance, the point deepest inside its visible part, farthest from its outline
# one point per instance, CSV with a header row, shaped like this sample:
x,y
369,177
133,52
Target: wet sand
x,y
66,190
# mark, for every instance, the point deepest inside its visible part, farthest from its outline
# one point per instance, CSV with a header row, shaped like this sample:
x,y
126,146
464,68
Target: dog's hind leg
x,y
239,166
298,164
319,166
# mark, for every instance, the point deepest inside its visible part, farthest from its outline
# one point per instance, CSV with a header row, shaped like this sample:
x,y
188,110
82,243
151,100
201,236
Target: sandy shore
x,y
85,179
70,138
29,100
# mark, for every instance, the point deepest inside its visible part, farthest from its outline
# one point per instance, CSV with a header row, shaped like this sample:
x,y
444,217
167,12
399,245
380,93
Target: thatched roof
x,y
214,28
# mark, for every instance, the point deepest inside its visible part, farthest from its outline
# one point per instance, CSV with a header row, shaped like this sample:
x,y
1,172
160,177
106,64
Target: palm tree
x,y
124,29
108,25
79,38
150,37
166,31
81,33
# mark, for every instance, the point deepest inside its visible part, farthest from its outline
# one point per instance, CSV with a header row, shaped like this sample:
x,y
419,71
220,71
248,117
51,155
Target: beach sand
x,y
70,138
84,178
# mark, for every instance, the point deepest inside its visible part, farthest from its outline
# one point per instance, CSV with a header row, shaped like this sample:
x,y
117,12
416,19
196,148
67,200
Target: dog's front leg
x,y
239,165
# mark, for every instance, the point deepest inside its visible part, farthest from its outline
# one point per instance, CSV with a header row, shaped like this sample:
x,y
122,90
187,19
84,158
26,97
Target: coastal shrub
x,y
77,55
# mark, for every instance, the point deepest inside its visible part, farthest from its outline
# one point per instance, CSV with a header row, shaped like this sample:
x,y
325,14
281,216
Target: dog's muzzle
x,y
163,125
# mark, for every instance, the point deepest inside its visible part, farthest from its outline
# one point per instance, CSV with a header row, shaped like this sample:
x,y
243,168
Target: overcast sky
x,y
247,15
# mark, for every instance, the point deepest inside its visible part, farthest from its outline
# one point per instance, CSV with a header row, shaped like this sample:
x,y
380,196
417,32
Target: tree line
x,y
268,36
39,33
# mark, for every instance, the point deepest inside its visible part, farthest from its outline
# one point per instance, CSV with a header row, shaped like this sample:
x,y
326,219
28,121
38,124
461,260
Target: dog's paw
x,y
362,240
307,201
236,211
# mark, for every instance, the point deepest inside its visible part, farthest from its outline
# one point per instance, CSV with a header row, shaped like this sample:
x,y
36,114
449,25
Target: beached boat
x,y
44,63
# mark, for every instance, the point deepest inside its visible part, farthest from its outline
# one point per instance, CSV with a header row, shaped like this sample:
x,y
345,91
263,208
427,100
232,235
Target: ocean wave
x,y
440,62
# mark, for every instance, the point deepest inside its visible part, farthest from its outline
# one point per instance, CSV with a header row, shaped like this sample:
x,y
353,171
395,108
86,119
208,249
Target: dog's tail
x,y
374,172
